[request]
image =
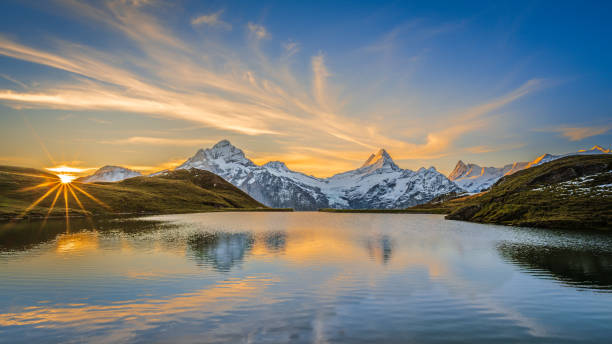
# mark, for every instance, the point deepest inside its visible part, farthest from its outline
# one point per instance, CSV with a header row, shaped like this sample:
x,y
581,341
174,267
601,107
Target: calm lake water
x,y
304,278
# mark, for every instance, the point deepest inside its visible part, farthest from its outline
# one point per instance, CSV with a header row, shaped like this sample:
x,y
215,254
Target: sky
x,y
319,85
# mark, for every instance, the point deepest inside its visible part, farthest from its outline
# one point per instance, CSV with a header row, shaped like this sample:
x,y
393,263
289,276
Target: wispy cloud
x,y
291,48
66,117
580,133
257,94
472,119
319,82
259,31
160,141
99,121
576,133
13,80
492,148
211,20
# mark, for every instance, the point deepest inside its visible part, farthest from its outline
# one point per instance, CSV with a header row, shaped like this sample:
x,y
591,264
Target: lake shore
x,y
4,218
386,211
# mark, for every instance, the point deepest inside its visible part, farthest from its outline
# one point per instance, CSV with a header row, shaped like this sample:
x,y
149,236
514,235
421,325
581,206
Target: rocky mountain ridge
x,y
473,178
378,183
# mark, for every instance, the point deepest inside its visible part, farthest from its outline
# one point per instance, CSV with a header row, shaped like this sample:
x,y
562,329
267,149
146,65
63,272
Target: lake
x,y
302,277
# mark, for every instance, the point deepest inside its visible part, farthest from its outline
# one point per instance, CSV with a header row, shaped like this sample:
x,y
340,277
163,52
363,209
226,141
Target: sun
x,y
66,173
66,178
65,185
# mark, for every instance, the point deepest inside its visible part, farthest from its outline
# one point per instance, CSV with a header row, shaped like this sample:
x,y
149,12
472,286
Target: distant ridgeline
x,y
378,184
572,192
473,178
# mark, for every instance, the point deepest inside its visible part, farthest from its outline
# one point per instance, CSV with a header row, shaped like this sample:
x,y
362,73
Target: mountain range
x,y
573,192
378,184
473,178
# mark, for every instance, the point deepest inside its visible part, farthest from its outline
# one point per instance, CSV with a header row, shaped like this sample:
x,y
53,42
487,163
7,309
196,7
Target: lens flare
x,y
66,178
63,185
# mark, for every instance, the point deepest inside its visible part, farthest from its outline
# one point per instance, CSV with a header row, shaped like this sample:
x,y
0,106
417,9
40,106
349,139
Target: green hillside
x,y
573,192
175,192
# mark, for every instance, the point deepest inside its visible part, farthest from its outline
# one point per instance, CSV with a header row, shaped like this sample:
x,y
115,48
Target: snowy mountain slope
x,y
548,157
378,183
110,174
272,184
474,178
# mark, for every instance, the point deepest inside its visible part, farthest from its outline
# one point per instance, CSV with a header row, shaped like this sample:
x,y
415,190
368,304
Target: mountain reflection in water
x,y
590,268
301,277
221,250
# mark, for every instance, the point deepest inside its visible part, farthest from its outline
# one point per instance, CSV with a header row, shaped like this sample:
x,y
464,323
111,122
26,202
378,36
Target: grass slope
x,y
176,192
573,192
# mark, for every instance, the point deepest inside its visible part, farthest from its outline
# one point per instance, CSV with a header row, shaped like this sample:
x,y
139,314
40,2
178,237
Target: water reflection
x,y
25,235
380,248
275,241
590,268
301,277
219,249
77,242
225,250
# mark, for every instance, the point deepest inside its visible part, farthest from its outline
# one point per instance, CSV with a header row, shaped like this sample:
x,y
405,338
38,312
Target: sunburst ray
x,y
29,175
66,207
57,194
92,197
40,199
30,207
37,186
76,198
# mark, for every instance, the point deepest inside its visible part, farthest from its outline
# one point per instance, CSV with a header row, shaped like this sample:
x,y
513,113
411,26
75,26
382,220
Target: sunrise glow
x,y
66,178
67,169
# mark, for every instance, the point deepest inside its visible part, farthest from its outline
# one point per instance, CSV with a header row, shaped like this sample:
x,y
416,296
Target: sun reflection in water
x,y
78,242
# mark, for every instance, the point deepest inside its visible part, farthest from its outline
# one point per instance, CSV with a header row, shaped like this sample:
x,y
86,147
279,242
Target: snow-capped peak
x,y
596,149
110,174
221,155
224,149
474,178
460,169
378,183
379,160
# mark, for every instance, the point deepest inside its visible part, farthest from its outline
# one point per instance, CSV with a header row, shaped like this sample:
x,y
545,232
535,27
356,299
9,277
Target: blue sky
x,y
319,85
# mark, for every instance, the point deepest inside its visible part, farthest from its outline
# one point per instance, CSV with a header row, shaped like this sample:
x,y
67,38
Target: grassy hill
x,y
175,192
573,192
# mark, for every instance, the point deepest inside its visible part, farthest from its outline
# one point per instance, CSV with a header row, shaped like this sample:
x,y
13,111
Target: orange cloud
x,y
255,96
161,141
579,133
